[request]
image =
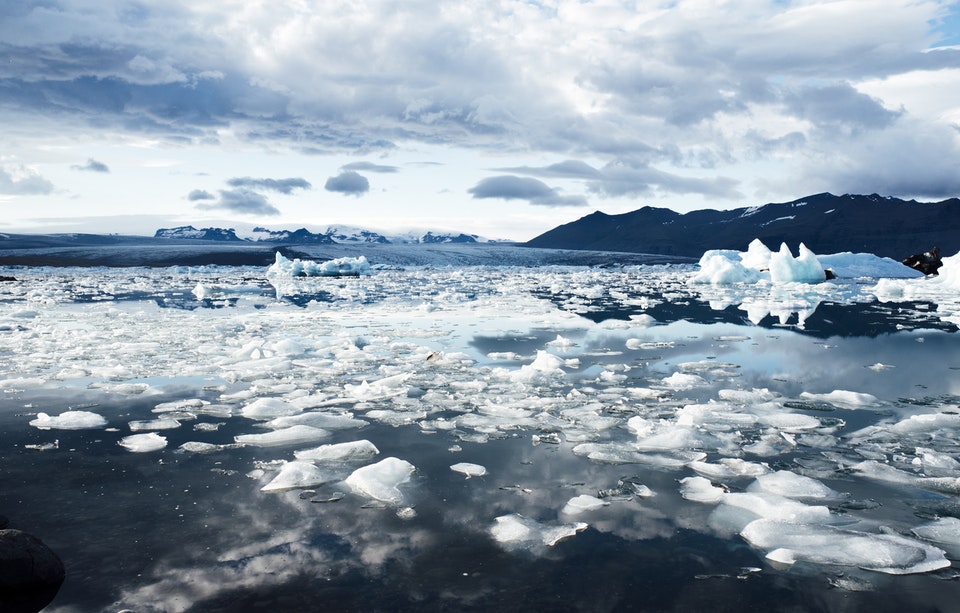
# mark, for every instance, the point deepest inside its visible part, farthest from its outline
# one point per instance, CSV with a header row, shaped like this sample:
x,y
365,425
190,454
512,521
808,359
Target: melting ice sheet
x,y
618,419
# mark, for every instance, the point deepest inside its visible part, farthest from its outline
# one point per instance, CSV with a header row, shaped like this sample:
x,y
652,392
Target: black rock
x,y
4,279
928,262
30,573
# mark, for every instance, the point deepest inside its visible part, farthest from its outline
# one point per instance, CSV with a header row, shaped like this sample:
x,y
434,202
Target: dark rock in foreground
x,y
30,573
928,262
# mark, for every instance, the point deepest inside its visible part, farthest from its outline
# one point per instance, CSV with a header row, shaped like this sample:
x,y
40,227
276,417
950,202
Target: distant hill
x,y
333,236
823,222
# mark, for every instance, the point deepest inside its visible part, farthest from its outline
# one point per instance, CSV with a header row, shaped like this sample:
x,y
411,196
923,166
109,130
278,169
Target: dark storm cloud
x,y
369,167
92,165
534,191
839,105
242,201
284,186
348,182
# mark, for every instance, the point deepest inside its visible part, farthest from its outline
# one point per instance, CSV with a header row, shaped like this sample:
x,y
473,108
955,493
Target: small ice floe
x,y
792,485
468,469
880,367
516,531
843,399
544,367
787,543
561,342
141,443
350,451
699,489
69,420
153,424
683,381
318,419
729,468
269,408
381,481
582,504
944,531
296,475
293,435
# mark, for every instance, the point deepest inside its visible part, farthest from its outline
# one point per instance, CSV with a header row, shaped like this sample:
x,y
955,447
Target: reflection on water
x,y
445,367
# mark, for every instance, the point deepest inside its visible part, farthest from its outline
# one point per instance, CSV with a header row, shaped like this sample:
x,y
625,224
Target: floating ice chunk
x,y
164,423
927,422
582,504
384,388
468,469
140,443
561,342
751,396
935,463
792,485
517,531
296,475
269,408
294,435
790,422
843,398
69,420
381,481
774,506
545,366
318,419
944,531
805,268
683,381
699,489
818,544
727,468
350,451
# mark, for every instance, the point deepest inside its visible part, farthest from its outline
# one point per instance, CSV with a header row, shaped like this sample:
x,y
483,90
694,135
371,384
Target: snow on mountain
x,y
191,233
348,235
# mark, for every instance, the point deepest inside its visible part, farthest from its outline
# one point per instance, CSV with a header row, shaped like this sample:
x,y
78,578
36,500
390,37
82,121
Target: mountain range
x,y
825,223
334,235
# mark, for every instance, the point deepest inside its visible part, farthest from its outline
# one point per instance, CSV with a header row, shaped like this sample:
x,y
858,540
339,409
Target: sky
x,y
497,118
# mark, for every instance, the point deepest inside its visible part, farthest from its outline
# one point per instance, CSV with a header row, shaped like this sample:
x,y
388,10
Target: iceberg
x,y
337,267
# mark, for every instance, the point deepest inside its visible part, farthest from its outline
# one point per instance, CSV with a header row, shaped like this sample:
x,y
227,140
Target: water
x,y
444,352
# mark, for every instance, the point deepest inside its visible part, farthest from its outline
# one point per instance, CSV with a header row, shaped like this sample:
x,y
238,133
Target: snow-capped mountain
x,y
826,223
333,235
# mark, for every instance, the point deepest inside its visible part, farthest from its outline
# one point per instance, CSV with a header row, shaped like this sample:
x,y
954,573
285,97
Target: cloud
x,y
569,169
348,182
243,201
200,194
19,180
369,167
509,187
284,186
92,165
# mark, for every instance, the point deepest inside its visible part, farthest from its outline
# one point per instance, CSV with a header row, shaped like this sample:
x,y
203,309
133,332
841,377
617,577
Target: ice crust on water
x,y
582,504
69,420
381,481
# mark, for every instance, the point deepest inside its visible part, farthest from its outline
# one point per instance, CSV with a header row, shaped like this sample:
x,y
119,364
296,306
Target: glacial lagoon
x,y
465,437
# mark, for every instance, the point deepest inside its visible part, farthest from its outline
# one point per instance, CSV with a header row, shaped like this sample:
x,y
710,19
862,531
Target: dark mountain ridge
x,y
825,223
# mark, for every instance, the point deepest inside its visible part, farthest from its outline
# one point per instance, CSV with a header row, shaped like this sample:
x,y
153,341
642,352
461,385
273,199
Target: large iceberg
x,y
337,267
726,267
